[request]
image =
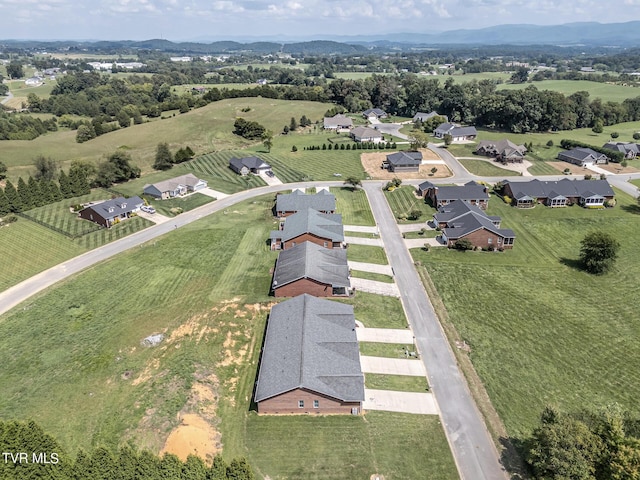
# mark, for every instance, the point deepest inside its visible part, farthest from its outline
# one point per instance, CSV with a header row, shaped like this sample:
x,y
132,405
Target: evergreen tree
x,y
170,466
78,182
164,159
127,463
25,195
239,469
218,469
54,192
5,207
3,171
12,196
148,466
103,465
35,193
45,191
65,185
293,125
194,469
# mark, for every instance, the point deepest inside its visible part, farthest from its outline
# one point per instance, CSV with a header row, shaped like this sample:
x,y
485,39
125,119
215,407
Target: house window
x,y
316,404
326,244
300,403
499,240
293,244
489,241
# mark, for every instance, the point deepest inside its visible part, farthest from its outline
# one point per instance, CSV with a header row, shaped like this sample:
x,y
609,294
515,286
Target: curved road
x,y
474,451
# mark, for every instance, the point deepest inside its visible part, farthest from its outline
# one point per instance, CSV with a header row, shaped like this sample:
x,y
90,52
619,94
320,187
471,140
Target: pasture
x,y
542,331
604,91
73,360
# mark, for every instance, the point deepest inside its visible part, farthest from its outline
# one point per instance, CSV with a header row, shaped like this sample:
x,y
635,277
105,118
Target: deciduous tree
x,y
598,252
164,159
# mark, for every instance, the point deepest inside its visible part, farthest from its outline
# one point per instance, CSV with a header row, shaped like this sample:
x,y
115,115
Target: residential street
x,y
473,449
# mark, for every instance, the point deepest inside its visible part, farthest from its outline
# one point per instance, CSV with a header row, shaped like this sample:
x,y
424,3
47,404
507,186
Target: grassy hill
x,y
205,129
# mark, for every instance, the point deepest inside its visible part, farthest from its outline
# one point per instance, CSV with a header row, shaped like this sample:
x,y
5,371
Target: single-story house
x,y
374,113
247,165
310,361
423,117
366,134
175,187
458,133
296,201
310,268
111,211
339,123
583,156
309,225
630,150
403,162
459,220
588,193
471,192
504,150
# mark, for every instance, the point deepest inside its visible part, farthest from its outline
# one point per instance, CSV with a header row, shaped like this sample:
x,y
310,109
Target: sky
x,y
201,20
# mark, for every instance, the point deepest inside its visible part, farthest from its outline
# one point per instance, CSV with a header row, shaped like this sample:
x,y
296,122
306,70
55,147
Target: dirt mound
x,y
194,436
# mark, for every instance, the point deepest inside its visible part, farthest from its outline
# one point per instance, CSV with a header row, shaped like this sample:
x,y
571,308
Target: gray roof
x,y
455,209
189,180
468,191
249,162
623,147
565,187
308,260
366,132
504,147
473,220
455,130
311,344
119,206
338,120
322,225
322,201
426,116
405,158
375,111
580,154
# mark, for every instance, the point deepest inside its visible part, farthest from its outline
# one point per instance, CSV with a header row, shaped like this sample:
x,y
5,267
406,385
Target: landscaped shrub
x,y
507,199
463,244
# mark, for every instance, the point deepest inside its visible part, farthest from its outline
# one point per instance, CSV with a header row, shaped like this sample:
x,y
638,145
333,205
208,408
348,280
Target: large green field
x,y
73,360
205,129
541,330
604,91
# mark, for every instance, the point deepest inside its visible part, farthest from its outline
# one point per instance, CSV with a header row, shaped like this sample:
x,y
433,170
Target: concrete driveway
x,y
393,366
360,229
404,402
385,335
414,227
371,267
154,217
371,286
270,180
419,242
213,193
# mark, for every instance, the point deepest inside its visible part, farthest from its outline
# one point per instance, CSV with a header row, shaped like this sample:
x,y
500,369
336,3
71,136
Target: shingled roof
x,y
323,201
405,159
117,206
311,344
468,191
474,219
322,225
565,187
309,260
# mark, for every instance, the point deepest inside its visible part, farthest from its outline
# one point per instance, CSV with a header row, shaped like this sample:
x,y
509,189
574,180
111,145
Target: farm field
x,y
204,129
403,200
604,91
541,331
86,378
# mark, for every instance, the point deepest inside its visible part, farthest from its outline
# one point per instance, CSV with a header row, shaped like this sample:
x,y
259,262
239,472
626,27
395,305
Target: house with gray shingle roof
x,y
309,225
458,133
290,203
460,220
503,151
366,134
423,117
247,165
310,360
588,193
629,149
374,113
403,162
310,268
339,123
112,211
583,156
471,192
175,187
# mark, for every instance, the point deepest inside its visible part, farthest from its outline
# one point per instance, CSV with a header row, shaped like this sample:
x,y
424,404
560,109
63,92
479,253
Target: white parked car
x,y
148,209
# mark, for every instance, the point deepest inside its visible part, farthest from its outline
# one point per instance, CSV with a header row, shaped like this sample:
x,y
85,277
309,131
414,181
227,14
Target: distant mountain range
x,y
590,34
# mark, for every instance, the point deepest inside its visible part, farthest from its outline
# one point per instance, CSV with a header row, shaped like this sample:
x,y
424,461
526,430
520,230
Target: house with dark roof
x,y
290,203
175,187
374,113
112,211
504,151
458,133
309,225
583,156
247,165
423,117
366,134
460,220
339,123
471,192
630,150
587,193
310,268
310,361
403,162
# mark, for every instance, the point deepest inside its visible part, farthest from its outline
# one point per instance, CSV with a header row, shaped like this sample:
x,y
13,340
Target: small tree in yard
x,y
267,140
615,134
597,127
294,149
550,143
598,252
636,136
433,171
448,139
354,182
415,214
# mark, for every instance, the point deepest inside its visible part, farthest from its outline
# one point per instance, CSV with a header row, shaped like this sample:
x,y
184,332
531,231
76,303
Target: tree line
x,y
43,457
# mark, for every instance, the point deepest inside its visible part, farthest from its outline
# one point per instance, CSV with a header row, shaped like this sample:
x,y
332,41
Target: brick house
x,y
310,360
309,225
583,156
112,211
290,203
471,192
587,193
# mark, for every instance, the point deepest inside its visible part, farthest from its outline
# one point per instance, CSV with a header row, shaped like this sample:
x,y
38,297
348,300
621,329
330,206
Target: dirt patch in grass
x,y
574,169
372,161
617,168
148,372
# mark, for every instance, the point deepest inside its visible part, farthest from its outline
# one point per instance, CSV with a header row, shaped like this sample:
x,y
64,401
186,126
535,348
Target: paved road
x,y
390,129
7,98
473,448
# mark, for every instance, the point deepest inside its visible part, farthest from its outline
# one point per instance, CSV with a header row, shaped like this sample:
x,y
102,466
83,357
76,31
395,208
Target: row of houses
x,y
310,361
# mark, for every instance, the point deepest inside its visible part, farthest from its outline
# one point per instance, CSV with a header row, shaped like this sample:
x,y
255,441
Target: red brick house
x,y
309,225
310,360
112,211
296,201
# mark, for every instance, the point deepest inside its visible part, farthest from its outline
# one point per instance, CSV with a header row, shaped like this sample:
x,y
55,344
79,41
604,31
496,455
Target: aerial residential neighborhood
x,y
341,252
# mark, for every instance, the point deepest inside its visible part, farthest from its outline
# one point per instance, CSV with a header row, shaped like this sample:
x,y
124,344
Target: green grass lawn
x,y
354,207
399,383
403,200
166,207
604,91
427,234
486,169
367,254
73,361
387,350
377,311
378,277
541,330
